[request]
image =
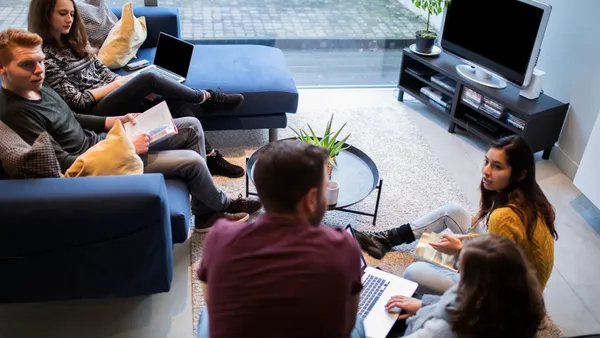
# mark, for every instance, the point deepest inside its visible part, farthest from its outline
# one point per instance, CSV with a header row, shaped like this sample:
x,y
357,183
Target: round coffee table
x,y
355,172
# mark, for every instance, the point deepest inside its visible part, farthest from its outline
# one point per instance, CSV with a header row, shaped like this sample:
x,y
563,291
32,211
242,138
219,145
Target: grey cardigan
x,y
433,319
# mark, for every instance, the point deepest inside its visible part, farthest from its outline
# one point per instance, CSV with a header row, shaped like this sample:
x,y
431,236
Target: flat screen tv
x,y
500,40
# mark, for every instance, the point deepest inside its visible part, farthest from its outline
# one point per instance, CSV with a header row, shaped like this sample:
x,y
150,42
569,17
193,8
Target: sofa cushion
x,y
21,160
124,40
114,155
179,206
98,20
260,73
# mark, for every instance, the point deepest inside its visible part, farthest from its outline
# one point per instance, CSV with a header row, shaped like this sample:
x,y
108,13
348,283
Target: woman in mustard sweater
x,y
512,205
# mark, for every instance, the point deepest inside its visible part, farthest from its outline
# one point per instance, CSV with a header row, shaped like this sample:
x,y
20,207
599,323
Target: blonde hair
x,y
12,38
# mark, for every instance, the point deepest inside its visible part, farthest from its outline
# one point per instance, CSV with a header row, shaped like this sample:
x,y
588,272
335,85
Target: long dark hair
x,y
38,21
498,294
523,194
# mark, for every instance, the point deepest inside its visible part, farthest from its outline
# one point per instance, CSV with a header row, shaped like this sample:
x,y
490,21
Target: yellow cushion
x,y
124,40
113,156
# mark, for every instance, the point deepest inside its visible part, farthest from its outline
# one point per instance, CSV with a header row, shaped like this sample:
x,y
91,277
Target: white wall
x,y
570,57
587,175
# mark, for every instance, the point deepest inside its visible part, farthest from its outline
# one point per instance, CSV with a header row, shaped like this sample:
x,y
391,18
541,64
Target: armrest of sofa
x,y
42,215
93,237
158,19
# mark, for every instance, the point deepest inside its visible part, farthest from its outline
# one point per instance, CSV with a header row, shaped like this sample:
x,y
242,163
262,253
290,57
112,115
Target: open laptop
x,y
172,59
378,288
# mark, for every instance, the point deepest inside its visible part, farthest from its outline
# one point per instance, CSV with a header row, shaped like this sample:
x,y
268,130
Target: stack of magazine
x,y
435,96
426,252
471,98
492,108
515,121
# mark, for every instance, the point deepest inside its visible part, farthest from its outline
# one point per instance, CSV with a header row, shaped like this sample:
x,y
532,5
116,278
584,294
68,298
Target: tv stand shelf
x,y
543,117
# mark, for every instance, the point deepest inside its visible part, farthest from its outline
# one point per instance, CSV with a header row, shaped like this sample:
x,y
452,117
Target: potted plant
x,y
426,38
329,141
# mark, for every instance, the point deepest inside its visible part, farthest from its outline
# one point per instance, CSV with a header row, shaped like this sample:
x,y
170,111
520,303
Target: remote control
x,y
136,65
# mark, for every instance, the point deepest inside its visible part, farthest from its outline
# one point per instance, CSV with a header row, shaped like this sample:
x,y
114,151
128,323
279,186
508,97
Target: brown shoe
x,y
205,222
246,205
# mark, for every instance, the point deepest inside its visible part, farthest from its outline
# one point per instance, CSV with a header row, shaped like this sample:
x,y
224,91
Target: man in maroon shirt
x,y
283,275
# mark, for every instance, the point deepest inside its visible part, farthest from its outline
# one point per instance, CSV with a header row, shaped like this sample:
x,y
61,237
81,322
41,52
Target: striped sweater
x,y
73,78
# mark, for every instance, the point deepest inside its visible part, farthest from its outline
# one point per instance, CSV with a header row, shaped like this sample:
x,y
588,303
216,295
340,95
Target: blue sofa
x,y
260,73
94,237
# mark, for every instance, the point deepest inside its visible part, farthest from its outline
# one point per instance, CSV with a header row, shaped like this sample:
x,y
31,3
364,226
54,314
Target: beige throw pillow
x,y
114,155
124,39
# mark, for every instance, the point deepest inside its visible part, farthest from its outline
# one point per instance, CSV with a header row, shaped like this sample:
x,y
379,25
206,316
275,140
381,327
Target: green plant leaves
x,y
329,141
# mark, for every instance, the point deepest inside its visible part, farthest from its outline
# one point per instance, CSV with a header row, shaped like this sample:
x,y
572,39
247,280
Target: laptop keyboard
x,y
160,72
373,288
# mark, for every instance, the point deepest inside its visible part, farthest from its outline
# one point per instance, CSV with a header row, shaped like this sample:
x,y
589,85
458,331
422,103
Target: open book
x,y
426,252
156,121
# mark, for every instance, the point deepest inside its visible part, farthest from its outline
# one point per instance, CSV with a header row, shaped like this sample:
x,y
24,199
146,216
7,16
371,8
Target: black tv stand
x,y
542,118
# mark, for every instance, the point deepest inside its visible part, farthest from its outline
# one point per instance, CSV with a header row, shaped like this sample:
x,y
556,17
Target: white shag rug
x,y
414,181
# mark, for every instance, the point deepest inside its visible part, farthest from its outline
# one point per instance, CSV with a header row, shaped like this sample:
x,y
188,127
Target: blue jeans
x,y
431,278
357,332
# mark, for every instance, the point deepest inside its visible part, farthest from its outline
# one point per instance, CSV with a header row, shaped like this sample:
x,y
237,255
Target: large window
x,y
327,42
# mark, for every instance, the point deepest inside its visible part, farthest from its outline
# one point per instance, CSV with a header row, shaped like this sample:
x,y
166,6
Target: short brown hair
x,y
285,171
498,293
12,38
38,22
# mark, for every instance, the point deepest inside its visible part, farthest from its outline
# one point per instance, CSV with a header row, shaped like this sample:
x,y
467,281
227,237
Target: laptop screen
x,y
363,263
173,54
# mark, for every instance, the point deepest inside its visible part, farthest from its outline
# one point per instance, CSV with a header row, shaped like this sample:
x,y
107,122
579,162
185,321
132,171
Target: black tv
x,y
498,40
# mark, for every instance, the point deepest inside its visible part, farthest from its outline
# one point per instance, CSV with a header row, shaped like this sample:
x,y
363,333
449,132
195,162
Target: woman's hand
x,y
449,244
408,304
121,80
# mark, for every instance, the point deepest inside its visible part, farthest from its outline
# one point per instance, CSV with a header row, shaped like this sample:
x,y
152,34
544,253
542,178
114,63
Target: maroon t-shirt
x,y
279,278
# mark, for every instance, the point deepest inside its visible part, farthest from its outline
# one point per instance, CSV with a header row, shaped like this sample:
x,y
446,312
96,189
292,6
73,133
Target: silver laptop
x,y
173,58
378,288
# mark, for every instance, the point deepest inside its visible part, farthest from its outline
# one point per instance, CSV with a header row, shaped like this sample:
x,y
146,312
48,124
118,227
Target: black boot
x,y
377,244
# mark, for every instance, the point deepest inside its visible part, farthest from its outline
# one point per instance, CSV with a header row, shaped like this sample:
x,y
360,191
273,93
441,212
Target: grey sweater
x,y
71,134
433,319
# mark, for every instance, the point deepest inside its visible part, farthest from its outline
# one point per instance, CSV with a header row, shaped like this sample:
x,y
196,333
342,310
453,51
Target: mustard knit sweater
x,y
539,249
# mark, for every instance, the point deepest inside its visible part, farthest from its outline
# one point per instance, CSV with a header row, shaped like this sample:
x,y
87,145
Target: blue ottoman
x,y
260,73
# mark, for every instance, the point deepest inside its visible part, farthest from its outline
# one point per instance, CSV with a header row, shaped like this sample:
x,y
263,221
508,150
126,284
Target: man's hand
x,y
110,121
408,304
121,80
449,244
142,143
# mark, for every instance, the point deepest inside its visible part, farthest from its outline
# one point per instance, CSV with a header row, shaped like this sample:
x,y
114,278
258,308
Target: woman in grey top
x,y
497,297
89,87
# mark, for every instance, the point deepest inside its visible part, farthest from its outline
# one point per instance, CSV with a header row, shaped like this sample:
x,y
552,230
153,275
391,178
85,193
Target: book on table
x,y
156,122
427,253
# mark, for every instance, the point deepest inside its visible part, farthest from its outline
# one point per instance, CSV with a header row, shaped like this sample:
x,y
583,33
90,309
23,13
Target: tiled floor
x,y
572,294
282,19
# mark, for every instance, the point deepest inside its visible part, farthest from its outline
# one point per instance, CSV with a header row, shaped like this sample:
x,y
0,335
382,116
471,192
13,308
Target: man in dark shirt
x,y
30,108
283,275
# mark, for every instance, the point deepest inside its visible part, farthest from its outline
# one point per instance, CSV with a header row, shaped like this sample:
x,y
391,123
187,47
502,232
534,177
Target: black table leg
x,y
377,203
546,154
401,96
452,127
247,183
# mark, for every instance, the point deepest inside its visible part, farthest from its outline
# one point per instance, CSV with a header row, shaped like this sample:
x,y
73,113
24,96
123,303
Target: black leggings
x,y
130,97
